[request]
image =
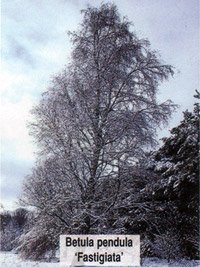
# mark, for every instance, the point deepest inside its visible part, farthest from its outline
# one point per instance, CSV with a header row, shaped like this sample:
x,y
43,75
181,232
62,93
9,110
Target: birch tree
x,y
95,120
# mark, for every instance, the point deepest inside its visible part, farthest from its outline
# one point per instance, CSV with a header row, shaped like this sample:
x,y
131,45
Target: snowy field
x,y
8,259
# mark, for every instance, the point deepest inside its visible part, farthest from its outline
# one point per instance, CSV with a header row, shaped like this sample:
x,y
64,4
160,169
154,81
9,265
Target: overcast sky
x,y
35,45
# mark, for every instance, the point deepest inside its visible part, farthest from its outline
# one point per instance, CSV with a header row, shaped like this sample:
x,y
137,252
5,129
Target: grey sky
x,y
35,46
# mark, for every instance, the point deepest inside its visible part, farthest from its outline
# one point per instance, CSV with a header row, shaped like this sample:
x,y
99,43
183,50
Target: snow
x,y
9,259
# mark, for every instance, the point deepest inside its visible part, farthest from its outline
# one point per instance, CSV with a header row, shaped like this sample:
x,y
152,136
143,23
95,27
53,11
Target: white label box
x,y
99,250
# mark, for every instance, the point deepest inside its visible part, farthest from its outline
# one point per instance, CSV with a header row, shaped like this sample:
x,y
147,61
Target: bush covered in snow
x,y
12,225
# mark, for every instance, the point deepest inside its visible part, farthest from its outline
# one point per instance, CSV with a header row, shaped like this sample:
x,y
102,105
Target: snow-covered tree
x,y
95,121
163,206
177,190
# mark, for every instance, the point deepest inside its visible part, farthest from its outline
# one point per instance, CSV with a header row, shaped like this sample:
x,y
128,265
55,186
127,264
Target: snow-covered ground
x,y
9,259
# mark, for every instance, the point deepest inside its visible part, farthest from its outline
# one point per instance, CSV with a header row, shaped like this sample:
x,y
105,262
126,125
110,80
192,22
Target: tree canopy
x,y
95,121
